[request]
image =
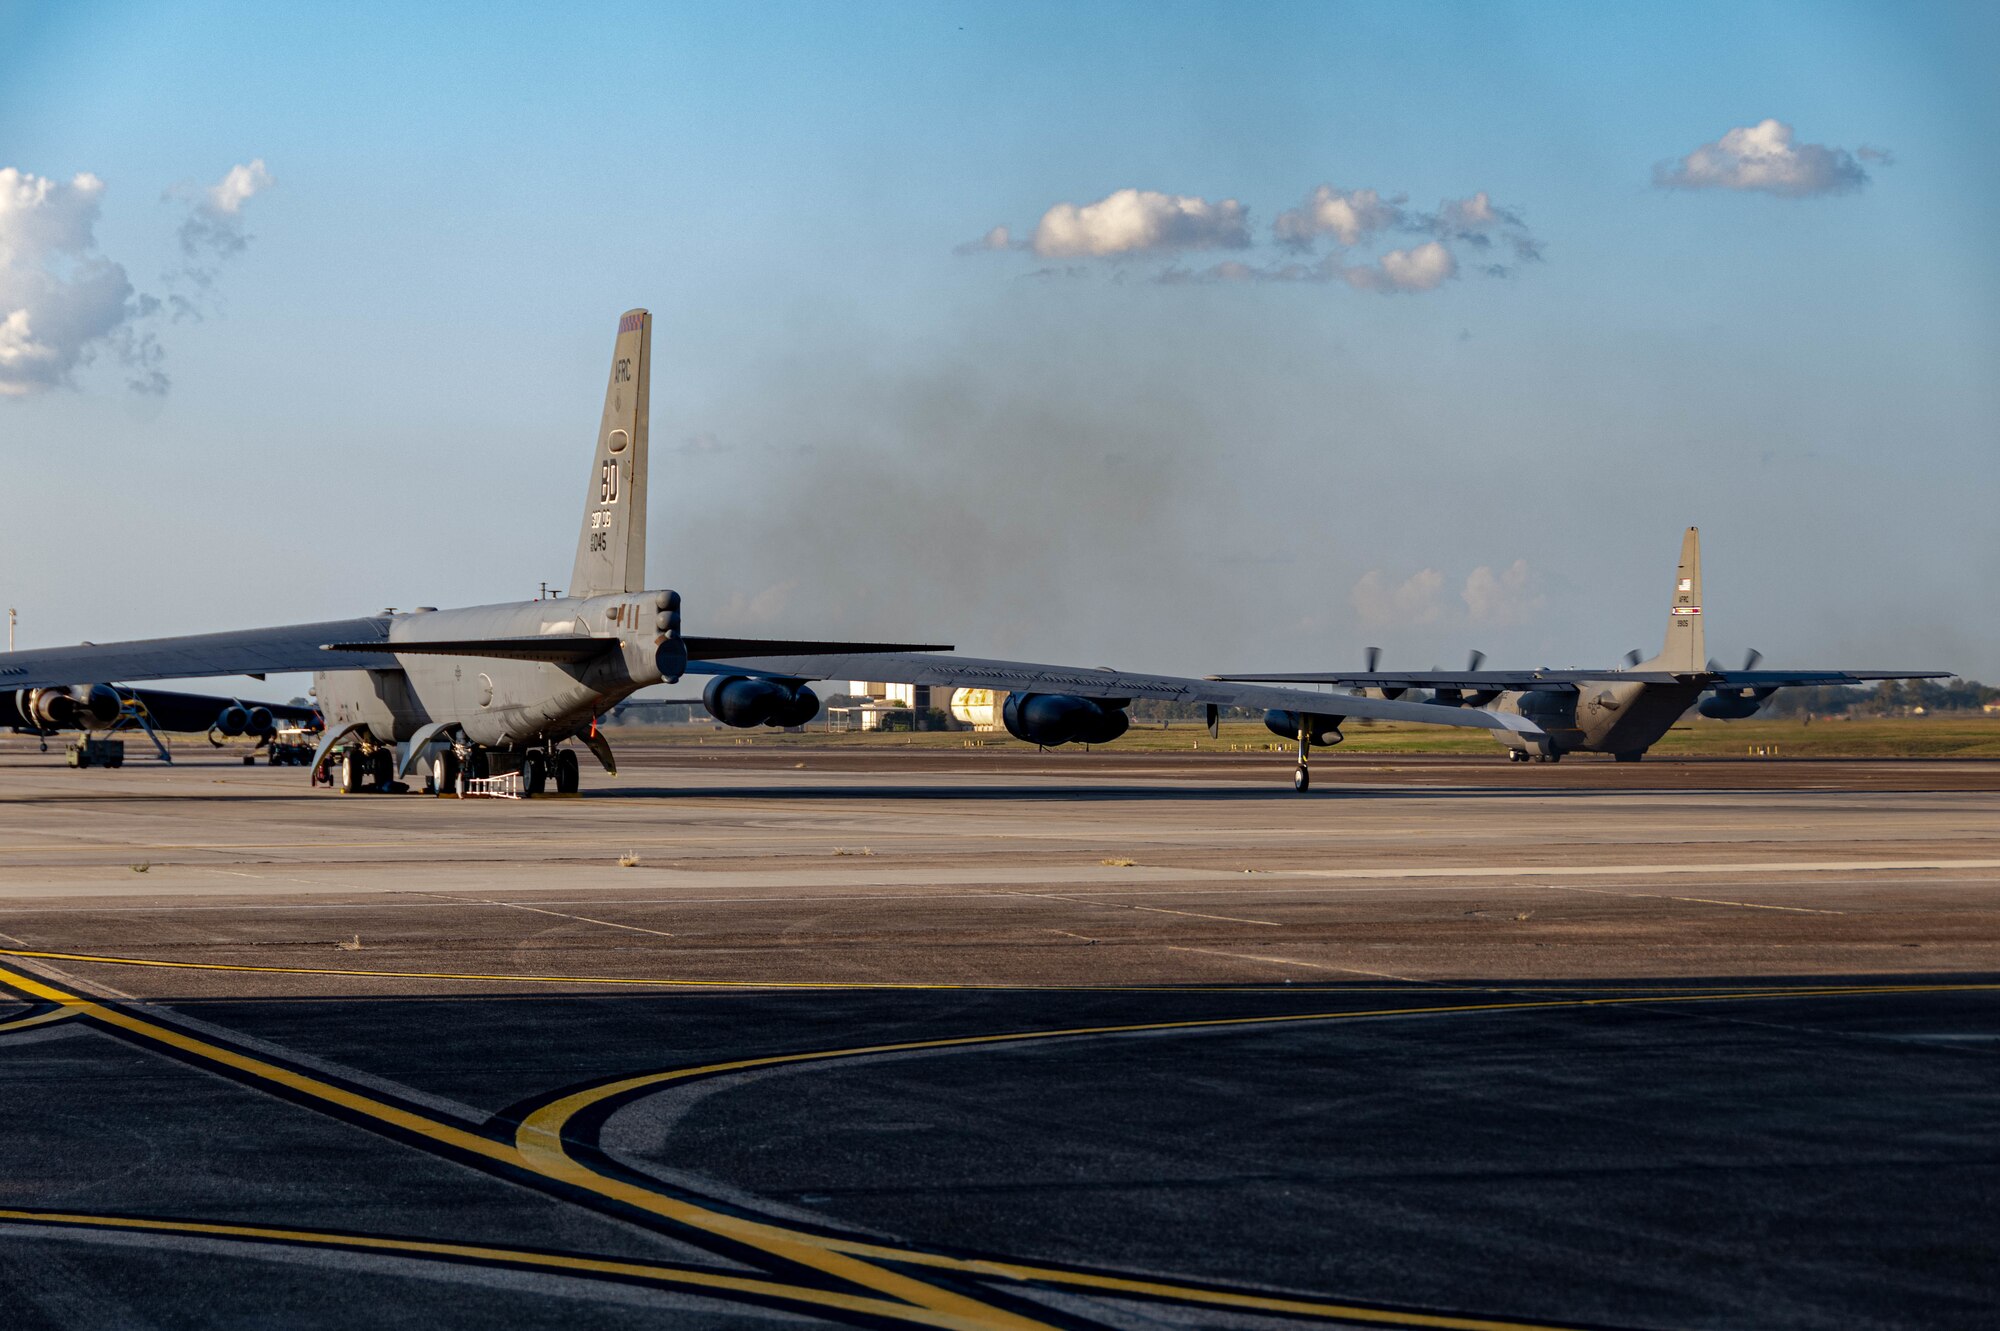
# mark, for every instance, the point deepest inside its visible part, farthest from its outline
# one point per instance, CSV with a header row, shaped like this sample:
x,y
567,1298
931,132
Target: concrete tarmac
x,y
994,1038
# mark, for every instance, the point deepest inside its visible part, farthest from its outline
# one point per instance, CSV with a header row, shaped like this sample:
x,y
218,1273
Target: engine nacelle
x,y
744,701
261,722
1050,719
1320,728
1733,704
79,707
234,720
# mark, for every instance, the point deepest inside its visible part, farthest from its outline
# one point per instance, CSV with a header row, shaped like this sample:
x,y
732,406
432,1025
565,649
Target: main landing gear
x,y
468,769
353,770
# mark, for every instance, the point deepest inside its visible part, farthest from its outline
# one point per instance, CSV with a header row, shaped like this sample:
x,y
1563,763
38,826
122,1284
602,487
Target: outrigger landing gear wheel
x,y
568,778
1302,778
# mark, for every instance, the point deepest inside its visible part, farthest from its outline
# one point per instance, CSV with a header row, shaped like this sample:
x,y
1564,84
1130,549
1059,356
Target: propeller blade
x,y
1373,656
1476,660
1750,661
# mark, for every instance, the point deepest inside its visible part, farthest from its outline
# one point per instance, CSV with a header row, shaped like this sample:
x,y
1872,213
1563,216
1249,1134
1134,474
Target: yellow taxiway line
x,y
541,1147
573,1264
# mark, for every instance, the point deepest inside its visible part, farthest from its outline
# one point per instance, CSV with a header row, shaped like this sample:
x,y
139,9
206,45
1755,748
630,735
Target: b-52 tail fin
x,y
1685,651
611,549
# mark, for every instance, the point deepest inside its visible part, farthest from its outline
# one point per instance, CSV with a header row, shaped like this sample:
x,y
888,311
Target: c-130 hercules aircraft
x,y
1619,712
501,688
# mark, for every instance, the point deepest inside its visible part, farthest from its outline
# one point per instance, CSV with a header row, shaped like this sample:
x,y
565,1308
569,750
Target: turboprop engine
x,y
1321,729
752,700
1733,704
1050,719
78,707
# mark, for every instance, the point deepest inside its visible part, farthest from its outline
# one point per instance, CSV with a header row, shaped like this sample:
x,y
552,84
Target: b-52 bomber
x,y
1622,712
499,691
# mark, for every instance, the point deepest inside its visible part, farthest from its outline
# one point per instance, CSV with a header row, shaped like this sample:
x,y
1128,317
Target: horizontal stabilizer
x,y
561,648
726,649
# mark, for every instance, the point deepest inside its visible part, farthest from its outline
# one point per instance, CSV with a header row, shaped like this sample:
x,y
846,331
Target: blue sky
x,y
388,392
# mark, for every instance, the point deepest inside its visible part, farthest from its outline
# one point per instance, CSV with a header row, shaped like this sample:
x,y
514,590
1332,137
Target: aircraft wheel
x,y
568,777
350,773
467,767
534,775
382,768
1302,778
444,771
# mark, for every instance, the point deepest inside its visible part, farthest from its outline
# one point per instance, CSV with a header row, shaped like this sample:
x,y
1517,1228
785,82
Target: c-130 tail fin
x,y
611,549
1685,650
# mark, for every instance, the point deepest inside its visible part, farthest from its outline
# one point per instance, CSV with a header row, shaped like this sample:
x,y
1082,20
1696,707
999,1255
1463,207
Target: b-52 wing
x,y
293,647
1027,677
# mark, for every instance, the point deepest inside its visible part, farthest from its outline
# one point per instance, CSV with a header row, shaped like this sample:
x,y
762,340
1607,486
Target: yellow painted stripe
x,y
802,1250
689,1278
541,1138
539,1146
38,1019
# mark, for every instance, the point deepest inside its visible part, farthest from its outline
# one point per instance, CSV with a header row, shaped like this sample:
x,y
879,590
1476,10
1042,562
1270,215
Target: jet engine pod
x,y
744,701
1733,704
1320,728
46,709
233,720
1061,718
96,704
261,721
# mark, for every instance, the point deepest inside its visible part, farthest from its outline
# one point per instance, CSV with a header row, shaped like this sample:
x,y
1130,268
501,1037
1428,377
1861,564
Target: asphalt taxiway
x,y
1003,1039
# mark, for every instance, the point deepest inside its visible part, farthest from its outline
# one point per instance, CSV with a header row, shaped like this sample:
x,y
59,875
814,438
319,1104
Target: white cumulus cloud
x,y
60,300
1421,268
1764,157
213,229
1134,221
999,238
1504,599
1415,600
1349,216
